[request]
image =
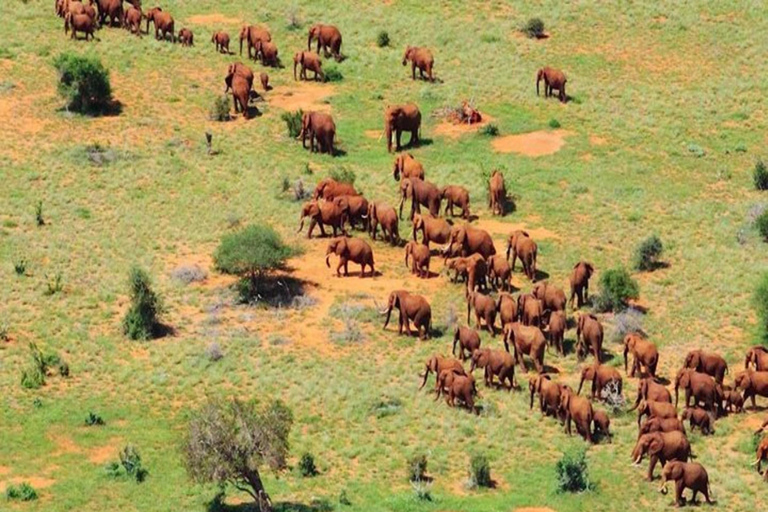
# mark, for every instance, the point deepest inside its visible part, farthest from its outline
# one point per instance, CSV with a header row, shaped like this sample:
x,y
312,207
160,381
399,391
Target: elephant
x,y
399,119
90,10
456,195
649,389
420,58
320,128
734,402
553,79
522,246
112,9
506,308
268,52
555,330
602,424
497,193
321,214
419,254
186,37
698,417
407,167
163,23
221,40
79,23
252,35
753,383
531,310
549,394
579,282
467,240
654,424
264,79
437,364
433,229
411,307
655,409
494,363
499,272
240,69
601,376
700,385
242,88
329,189
462,387
644,352
132,19
528,341
707,362
308,61
577,409
347,249
355,209
552,297
686,475
386,216
761,454
589,337
328,37
473,269
757,356
420,193
468,340
485,309
661,447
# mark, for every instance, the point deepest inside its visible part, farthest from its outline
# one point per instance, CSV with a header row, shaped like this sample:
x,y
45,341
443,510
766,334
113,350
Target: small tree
x,y
141,321
417,468
647,253
382,39
84,83
760,176
616,288
227,442
534,28
251,253
480,471
572,474
293,122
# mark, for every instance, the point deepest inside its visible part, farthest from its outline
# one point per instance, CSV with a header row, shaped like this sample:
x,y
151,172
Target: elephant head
x,y
743,380
245,33
396,300
682,380
589,269
418,224
588,373
541,75
406,192
337,246
513,239
534,386
310,209
693,359
306,130
314,33
479,358
392,117
409,247
566,395
298,58
399,166
673,470
629,344
408,55
651,444
429,366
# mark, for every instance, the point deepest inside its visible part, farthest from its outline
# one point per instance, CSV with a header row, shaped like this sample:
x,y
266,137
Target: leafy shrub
x,y
489,130
93,419
299,191
84,83
220,109
417,468
616,288
572,472
54,284
213,352
294,20
554,123
293,122
479,471
647,253
343,175
131,462
39,220
760,176
285,184
351,333
761,223
344,499
307,466
22,492
382,39
112,469
20,267
534,28
141,320
333,74
33,376
760,303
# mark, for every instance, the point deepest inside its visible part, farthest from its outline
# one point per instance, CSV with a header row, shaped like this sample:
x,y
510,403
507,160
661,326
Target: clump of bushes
x,y
131,462
307,466
21,492
141,322
333,74
489,130
479,472
761,223
386,406
382,39
417,468
293,122
647,254
616,288
534,28
760,175
41,366
572,472
628,321
343,175
93,419
760,303
84,83
554,123
220,109
187,274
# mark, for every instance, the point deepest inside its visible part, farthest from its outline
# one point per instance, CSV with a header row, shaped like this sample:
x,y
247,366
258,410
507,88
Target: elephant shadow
x,y
283,506
509,205
551,370
606,357
569,344
356,273
253,111
541,275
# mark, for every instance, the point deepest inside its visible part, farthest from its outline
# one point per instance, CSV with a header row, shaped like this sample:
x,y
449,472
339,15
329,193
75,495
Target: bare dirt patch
x,y
499,228
596,140
304,96
103,454
64,445
455,130
38,482
214,18
532,144
4,470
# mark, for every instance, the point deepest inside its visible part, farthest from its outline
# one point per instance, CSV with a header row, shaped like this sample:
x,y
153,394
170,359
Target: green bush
x,y
112,469
54,284
22,492
616,288
554,123
220,109
141,320
84,83
572,472
20,267
489,130
760,303
417,468
647,253
307,466
760,175
293,122
761,223
131,462
343,175
382,39
33,376
93,420
479,471
534,28
333,74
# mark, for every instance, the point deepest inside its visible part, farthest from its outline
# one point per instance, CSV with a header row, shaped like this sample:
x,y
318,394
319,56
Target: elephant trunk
x,y
626,349
388,135
295,63
469,307
402,200
538,79
581,383
532,392
328,260
301,224
676,394
241,43
426,374
406,259
663,485
309,41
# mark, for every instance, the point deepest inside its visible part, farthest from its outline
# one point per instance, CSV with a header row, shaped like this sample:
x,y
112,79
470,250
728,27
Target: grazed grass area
x,y
666,122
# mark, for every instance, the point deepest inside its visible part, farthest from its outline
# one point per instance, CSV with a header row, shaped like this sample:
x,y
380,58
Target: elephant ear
x,y
656,444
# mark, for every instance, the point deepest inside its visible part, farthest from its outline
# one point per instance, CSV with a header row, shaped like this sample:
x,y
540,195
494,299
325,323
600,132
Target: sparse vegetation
x,y
489,130
761,223
572,472
479,472
382,39
534,28
83,83
22,492
188,274
343,175
292,122
54,284
213,352
20,267
647,254
417,468
760,175
760,304
220,109
141,321
554,124
131,462
333,74
93,419
39,220
41,366
625,322
616,288
307,466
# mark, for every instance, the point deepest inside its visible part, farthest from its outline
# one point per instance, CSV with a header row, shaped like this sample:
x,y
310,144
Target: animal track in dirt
x,y
532,144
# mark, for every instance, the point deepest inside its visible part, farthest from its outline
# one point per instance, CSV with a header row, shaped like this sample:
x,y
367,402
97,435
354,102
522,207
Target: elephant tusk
x,y
755,463
327,260
663,489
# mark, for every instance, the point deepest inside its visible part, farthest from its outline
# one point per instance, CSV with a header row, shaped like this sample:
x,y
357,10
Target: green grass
x,y
163,201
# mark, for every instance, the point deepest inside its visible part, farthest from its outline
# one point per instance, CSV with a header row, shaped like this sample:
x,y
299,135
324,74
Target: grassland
x,y
666,122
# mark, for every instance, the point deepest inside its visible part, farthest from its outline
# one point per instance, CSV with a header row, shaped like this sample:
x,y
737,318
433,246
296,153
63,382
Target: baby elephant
x,y
350,249
419,254
458,386
602,424
455,195
698,417
468,340
734,402
221,40
186,37
687,475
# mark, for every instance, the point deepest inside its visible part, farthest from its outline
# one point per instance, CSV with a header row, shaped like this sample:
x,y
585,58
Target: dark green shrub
x,y
479,471
93,420
616,288
333,74
554,123
84,83
32,378
417,468
22,492
307,466
220,109
293,122
761,223
647,254
343,175
760,303
760,175
141,320
131,462
489,130
344,499
572,472
20,267
112,469
382,39
39,220
534,28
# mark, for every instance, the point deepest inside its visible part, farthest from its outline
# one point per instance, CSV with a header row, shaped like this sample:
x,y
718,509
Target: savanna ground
x,y
664,126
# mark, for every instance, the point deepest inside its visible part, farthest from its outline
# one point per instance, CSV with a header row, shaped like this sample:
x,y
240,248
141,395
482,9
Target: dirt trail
x,y
214,18
532,144
303,95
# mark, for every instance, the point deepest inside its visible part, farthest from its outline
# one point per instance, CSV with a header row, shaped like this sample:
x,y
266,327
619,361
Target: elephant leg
x,y
322,230
679,488
346,267
311,227
651,466
398,134
338,267
414,137
413,70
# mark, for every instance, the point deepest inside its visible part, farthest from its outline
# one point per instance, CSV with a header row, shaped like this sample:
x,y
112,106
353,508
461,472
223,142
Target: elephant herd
x,y
85,18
